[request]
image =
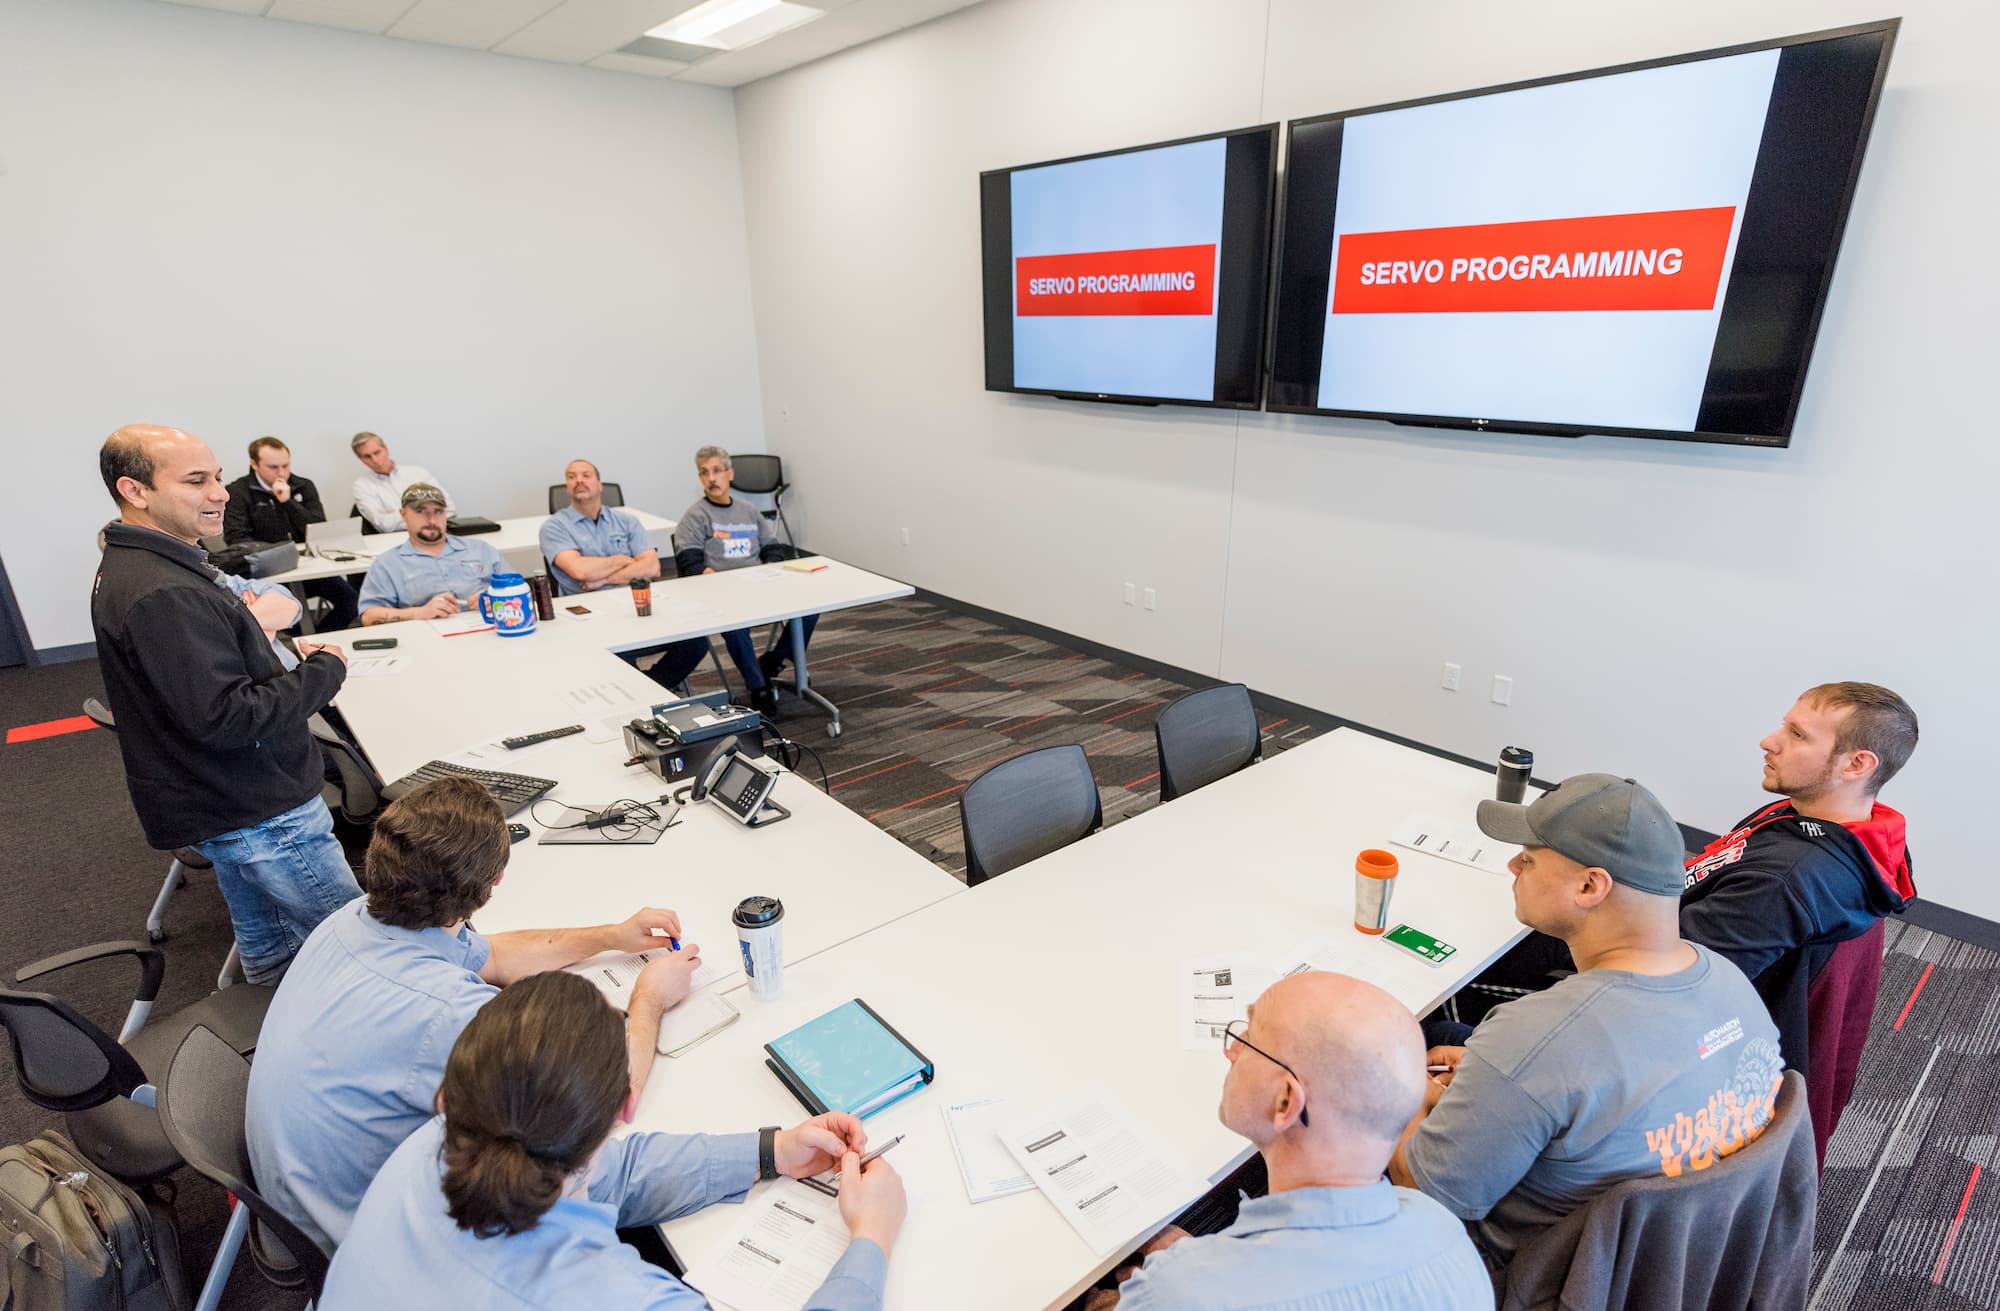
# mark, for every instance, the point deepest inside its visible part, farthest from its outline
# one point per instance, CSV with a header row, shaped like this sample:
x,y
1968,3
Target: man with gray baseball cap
x,y
1655,1057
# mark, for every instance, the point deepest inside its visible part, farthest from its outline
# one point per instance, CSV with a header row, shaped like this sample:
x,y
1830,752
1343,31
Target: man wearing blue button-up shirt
x,y
432,575
1323,1077
353,1049
591,544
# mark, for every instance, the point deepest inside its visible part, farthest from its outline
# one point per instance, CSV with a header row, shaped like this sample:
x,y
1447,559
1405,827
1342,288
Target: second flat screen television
x,y
1642,251
1139,275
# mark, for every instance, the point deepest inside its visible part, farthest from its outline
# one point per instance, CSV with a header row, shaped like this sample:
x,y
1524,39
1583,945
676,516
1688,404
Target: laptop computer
x,y
334,541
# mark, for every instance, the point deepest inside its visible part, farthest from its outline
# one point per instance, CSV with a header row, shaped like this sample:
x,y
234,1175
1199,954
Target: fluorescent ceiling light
x,y
733,24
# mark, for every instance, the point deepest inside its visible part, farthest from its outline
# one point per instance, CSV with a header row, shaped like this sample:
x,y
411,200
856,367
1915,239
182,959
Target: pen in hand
x,y
872,1155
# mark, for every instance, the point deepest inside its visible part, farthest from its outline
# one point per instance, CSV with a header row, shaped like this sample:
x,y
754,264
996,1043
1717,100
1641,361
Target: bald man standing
x,y
218,755
1323,1077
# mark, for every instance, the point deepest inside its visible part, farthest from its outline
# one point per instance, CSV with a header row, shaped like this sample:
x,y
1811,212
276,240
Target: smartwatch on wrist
x,y
767,1153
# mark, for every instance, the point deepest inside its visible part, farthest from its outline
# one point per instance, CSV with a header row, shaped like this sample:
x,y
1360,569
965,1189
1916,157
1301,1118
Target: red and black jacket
x,y
1780,891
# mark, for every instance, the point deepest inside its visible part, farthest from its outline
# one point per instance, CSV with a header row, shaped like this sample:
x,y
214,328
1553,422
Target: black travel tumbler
x,y
1511,778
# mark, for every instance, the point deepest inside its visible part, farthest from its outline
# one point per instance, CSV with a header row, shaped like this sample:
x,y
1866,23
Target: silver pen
x,y
872,1155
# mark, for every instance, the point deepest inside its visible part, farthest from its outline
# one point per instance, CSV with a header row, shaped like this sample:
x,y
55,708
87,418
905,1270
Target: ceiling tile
x,y
851,25
354,15
581,30
475,24
640,64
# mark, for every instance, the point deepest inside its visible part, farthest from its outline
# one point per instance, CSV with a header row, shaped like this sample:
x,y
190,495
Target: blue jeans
x,y
742,644
280,878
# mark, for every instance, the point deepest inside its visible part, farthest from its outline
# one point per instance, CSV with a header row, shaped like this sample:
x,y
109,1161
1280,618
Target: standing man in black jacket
x,y
273,504
218,755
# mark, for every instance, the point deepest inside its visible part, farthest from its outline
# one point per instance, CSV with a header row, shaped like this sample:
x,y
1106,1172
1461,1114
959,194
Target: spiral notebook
x,y
848,1059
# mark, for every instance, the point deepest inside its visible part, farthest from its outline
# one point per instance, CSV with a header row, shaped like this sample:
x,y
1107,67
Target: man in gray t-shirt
x,y
1656,1057
719,533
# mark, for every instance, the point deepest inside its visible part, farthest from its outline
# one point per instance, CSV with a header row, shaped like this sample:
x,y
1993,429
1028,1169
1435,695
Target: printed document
x,y
1454,840
614,975
1110,1180
783,1250
376,666
470,621
1215,990
990,1171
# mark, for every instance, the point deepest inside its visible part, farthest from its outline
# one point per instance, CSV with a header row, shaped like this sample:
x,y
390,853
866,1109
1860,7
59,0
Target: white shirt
x,y
380,495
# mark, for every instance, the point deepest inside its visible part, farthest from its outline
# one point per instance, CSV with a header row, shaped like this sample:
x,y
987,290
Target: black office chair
x,y
105,1086
764,475
354,512
1027,807
357,797
183,860
201,1108
559,496
1205,736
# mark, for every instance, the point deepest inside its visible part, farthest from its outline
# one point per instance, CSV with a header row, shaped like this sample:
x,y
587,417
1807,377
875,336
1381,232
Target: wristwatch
x,y
767,1152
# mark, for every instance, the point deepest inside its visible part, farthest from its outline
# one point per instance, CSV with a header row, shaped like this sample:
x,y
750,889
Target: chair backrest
x,y
559,496
201,1109
1205,736
1027,807
64,1062
360,786
759,475
1735,1235
99,714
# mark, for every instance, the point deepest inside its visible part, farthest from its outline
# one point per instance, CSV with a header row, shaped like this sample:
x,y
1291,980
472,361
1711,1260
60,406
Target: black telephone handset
x,y
717,763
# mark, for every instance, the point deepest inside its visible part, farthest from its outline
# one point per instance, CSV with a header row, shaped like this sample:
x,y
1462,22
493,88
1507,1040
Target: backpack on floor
x,y
76,1239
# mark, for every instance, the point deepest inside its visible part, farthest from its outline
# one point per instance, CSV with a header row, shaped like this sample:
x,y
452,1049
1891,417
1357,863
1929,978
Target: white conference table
x,y
1062,974
837,874
475,687
518,535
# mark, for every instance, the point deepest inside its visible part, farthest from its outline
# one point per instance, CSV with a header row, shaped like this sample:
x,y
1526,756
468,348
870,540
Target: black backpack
x,y
75,1238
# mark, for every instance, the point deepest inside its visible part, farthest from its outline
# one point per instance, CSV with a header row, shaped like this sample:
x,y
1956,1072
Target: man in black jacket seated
x,y
218,755
273,504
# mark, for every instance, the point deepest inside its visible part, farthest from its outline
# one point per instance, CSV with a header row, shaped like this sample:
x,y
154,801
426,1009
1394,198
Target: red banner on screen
x,y
1667,260
1162,280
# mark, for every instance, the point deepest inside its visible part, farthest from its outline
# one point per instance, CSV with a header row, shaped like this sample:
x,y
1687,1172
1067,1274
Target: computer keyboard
x,y
514,792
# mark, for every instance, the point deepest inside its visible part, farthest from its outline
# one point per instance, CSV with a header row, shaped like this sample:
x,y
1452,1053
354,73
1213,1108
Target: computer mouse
x,y
517,831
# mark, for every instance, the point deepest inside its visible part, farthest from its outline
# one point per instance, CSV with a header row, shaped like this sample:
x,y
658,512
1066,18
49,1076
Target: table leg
x,y
803,683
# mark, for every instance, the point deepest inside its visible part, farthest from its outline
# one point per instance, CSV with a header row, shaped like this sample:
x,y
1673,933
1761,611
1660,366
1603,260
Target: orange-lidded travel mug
x,y
1374,883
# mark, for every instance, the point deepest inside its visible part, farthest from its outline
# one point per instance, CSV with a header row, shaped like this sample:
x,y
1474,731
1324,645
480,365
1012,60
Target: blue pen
x,y
673,943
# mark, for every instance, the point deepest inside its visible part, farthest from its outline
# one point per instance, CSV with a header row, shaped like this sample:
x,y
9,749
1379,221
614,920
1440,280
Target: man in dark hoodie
x,y
1794,895
1796,892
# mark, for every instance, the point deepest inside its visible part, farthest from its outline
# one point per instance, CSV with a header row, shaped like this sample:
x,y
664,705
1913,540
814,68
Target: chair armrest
x,y
152,964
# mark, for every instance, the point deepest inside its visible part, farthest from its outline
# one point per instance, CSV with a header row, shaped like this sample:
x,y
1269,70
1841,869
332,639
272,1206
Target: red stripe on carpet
x,y
1273,724
969,678
918,802
1937,1275
1148,706
1036,720
1921,981
1118,740
1129,677
1137,781
953,724
52,728
886,769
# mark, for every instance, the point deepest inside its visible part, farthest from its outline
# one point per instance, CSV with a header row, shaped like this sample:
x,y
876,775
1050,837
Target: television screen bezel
x,y
1887,27
1260,322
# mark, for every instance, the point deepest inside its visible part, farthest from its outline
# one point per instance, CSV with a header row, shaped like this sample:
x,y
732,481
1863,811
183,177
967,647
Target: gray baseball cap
x,y
1601,820
422,493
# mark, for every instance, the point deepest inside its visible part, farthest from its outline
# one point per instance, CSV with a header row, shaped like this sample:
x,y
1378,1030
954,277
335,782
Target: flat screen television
x,y
1138,275
1642,251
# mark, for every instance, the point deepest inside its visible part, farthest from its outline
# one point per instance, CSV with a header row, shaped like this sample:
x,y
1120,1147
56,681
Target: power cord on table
x,y
621,821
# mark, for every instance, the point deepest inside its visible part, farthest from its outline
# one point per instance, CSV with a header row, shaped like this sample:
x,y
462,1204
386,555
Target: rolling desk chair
x,y
764,475
201,1110
1206,736
559,496
1026,807
354,512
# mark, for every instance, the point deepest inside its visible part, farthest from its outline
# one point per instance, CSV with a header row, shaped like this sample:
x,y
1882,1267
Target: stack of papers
x,y
1111,1181
1454,840
614,975
1215,990
693,1022
990,1171
790,1236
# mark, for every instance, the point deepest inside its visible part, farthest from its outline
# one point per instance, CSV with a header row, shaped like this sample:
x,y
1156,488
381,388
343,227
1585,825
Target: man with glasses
x,y
1322,1077
1656,1057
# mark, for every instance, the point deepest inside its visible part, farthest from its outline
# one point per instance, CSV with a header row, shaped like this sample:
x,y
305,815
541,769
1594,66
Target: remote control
x,y
516,743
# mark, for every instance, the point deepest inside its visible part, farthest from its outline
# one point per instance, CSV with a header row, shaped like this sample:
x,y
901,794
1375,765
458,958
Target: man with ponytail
x,y
512,1197
353,1049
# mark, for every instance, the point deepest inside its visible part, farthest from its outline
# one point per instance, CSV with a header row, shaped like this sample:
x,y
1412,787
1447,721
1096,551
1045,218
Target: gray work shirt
x,y
731,536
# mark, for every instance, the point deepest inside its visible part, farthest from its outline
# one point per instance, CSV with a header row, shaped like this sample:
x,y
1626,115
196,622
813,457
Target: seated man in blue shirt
x,y
1323,1077
512,1197
432,575
354,1046
593,545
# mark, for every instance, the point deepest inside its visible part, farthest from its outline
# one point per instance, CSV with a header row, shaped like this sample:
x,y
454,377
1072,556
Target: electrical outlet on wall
x,y
1152,599
1131,594
1503,690
906,536
1452,673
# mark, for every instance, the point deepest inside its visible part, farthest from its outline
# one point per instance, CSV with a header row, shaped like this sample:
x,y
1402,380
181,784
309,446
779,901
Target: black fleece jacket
x,y
212,727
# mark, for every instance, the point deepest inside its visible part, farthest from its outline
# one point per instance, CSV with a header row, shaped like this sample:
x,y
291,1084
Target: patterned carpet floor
x,y
930,697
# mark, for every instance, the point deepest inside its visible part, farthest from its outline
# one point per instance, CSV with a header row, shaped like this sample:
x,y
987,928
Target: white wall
x,y
241,226
1658,605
